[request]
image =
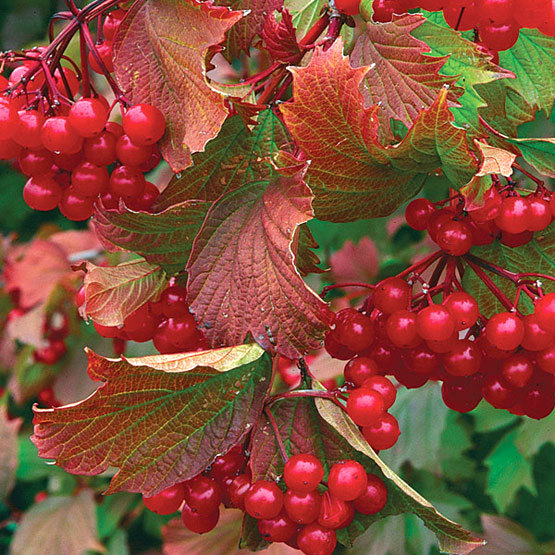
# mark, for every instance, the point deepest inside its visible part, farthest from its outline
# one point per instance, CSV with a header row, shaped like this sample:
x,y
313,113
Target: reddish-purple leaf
x,y
280,38
351,174
157,425
241,35
157,62
402,79
242,275
306,259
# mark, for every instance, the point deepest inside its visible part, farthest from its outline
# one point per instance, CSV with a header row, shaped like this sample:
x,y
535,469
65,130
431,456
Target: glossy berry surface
x,y
374,497
347,480
166,502
263,500
144,124
303,472
364,406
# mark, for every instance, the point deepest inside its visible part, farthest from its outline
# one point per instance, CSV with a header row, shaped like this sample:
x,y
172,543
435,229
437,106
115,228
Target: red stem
x,y
273,424
424,263
342,285
535,179
511,276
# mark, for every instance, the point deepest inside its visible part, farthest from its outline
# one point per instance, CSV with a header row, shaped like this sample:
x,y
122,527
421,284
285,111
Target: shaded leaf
x,y
355,263
303,247
241,35
112,510
9,450
539,153
242,275
351,174
532,59
158,427
164,238
402,78
508,472
155,62
113,292
64,525
451,536
531,435
29,327
487,418
536,256
234,158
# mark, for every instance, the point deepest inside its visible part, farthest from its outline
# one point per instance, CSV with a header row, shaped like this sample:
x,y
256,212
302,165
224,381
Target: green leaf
x,y
531,435
539,153
113,292
487,418
532,60
160,419
118,544
31,466
422,416
508,472
467,61
111,511
536,256
451,536
60,524
305,13
455,441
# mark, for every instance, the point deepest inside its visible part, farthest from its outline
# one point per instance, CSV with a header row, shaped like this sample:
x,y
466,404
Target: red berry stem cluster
x,y
168,322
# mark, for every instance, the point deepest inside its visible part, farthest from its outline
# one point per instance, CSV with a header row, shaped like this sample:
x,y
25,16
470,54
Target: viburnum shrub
x,y
200,167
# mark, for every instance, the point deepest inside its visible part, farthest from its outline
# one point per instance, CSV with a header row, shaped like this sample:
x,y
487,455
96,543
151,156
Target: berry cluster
x,y
305,516
507,216
168,322
68,149
498,22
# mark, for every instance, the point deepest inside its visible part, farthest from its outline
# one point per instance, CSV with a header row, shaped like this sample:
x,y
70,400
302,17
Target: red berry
x,y
106,54
336,349
9,149
359,369
498,393
127,182
462,394
517,370
539,214
354,330
490,208
374,498
166,502
69,80
35,162
384,387
88,116
545,312
197,522
495,10
364,406
421,360
278,529
455,238
228,465
383,10
418,213
533,14
202,494
27,128
514,214
391,294
180,332
546,360
464,359
435,323
238,489
444,345
535,337
303,472
383,434
146,200
409,379
347,480
144,124
314,539
88,180
514,240
42,193
461,18
401,329
464,309
302,508
111,24
335,513
100,150
74,207
58,135
499,36
263,500
67,162
130,154
538,402
437,220
8,118
505,331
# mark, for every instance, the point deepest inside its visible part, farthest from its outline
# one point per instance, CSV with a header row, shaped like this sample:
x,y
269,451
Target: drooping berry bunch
x,y
498,22
305,515
168,322
67,147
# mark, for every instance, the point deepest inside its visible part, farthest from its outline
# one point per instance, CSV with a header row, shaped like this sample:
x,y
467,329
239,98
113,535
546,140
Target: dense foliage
x,y
314,242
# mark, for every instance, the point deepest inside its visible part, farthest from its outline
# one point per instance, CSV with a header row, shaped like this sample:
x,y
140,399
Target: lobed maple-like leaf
x,y
351,174
113,292
234,158
539,153
241,35
158,427
242,275
280,38
157,62
164,238
403,79
60,524
402,498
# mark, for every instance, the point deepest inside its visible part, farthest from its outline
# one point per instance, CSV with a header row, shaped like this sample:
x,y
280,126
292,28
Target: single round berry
x,y
418,213
437,220
546,360
197,522
127,182
144,124
545,312
336,349
166,502
238,489
27,128
202,494
464,359
88,116
89,180
455,238
505,331
391,294
130,154
111,23
347,480
517,370
499,36
75,207
303,472
354,330
359,369
435,323
384,387
498,393
263,500
464,309
374,497
228,465
335,513
42,193
383,434
462,394
58,135
401,329
278,529
539,214
513,216
364,406
100,150
35,162
104,58
302,508
538,402
314,539
535,338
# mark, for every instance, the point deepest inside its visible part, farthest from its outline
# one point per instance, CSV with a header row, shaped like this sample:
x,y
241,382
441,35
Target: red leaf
x,y
9,450
355,263
242,276
351,174
402,78
156,62
280,38
241,35
159,426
